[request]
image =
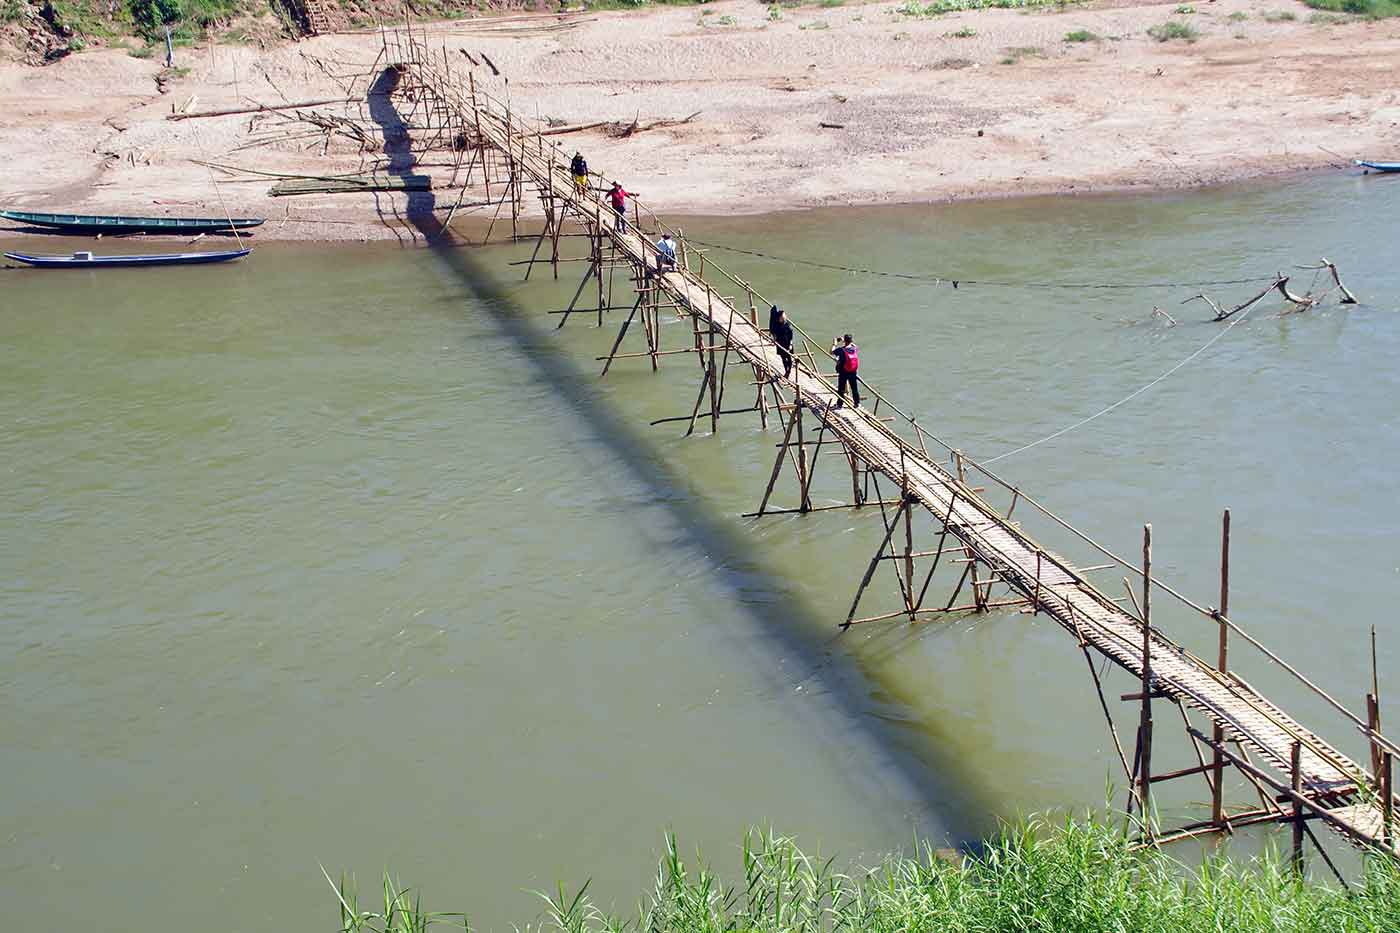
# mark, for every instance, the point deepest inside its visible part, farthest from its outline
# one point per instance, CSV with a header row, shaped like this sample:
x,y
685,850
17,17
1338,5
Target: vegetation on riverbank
x,y
72,25
1076,875
1370,9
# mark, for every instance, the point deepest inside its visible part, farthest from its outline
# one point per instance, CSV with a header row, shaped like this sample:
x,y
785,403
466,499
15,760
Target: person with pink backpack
x,y
847,357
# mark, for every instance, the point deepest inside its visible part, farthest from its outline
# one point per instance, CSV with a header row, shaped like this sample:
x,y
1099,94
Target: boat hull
x,y
118,262
95,223
1379,166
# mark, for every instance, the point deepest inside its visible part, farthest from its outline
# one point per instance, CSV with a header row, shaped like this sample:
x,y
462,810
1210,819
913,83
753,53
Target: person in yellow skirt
x,y
579,168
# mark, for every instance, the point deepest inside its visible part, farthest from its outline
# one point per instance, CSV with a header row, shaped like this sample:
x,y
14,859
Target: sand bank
x,y
968,105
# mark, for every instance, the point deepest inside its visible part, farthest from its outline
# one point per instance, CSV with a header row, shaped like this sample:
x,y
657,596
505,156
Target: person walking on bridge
x,y
618,196
665,253
847,357
579,168
781,329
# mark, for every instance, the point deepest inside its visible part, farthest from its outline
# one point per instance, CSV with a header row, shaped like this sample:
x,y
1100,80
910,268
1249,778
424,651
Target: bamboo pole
x,y
598,272
778,463
1145,721
573,301
1217,808
962,479
621,333
870,570
939,550
548,221
905,587
655,331
1387,799
1373,706
1296,770
802,474
908,547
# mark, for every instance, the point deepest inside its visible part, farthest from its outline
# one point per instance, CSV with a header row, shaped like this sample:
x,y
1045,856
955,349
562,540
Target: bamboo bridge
x,y
1298,776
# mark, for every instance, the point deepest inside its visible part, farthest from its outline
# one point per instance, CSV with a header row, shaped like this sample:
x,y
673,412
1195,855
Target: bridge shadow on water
x,y
779,616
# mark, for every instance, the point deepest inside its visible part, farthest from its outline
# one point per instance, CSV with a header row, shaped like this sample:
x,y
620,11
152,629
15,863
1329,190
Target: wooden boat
x,y
93,223
84,260
1379,166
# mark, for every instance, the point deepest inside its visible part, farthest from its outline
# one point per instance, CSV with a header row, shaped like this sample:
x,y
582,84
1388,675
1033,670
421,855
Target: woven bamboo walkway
x,y
1324,784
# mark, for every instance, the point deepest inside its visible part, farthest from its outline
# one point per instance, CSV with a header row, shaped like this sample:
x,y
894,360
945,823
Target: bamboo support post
x,y
1373,708
1296,776
695,412
1373,718
1145,721
803,480
778,463
1217,809
874,563
598,273
908,545
1108,717
1387,788
574,301
621,333
762,403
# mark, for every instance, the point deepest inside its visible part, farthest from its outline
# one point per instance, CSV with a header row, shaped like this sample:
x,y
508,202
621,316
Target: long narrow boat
x,y
1379,166
94,223
89,261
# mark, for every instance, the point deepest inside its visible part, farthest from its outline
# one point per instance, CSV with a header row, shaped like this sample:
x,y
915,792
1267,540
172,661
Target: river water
x,y
345,557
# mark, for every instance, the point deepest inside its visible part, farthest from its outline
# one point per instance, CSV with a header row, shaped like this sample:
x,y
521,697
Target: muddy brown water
x,y
343,557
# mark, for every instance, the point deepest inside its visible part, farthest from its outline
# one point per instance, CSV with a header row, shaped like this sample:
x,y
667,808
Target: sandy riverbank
x,y
924,114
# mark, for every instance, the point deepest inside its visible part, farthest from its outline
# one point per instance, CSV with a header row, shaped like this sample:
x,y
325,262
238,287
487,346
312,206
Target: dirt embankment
x,y
855,103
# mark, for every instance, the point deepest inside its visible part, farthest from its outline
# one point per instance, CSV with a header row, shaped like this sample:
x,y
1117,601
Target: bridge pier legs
x,y
913,594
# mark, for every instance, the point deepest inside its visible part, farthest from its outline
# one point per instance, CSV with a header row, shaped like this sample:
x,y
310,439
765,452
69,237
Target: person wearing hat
x,y
617,195
579,168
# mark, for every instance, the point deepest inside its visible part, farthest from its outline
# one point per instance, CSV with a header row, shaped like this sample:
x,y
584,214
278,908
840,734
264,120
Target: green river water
x,y
343,556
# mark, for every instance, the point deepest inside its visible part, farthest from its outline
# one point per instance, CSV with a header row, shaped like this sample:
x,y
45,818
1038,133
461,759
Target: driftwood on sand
x,y
617,128
260,108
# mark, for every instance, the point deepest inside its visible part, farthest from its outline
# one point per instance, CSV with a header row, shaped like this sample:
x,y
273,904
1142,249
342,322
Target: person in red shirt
x,y
618,196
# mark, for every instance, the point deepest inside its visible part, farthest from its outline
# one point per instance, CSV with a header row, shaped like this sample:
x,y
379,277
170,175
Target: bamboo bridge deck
x,y
1299,775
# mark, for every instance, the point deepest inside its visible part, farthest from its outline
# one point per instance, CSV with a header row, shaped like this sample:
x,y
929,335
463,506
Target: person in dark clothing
x,y
847,357
781,329
579,168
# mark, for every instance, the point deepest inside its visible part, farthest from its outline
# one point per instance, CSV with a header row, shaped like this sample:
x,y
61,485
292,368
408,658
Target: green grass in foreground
x,y
1070,877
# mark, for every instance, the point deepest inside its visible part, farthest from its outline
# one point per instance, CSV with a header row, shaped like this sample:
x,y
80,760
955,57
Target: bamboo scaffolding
x,y
994,550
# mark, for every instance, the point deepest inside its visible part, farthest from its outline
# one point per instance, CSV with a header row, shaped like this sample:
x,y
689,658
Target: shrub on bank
x,y
186,18
1371,9
1063,878
1172,29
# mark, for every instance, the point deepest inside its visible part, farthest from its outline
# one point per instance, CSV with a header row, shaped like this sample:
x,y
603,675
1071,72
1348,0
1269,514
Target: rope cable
x,y
955,281
1127,398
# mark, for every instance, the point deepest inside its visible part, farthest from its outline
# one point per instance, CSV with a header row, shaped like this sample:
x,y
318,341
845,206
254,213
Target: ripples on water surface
x,y
327,557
